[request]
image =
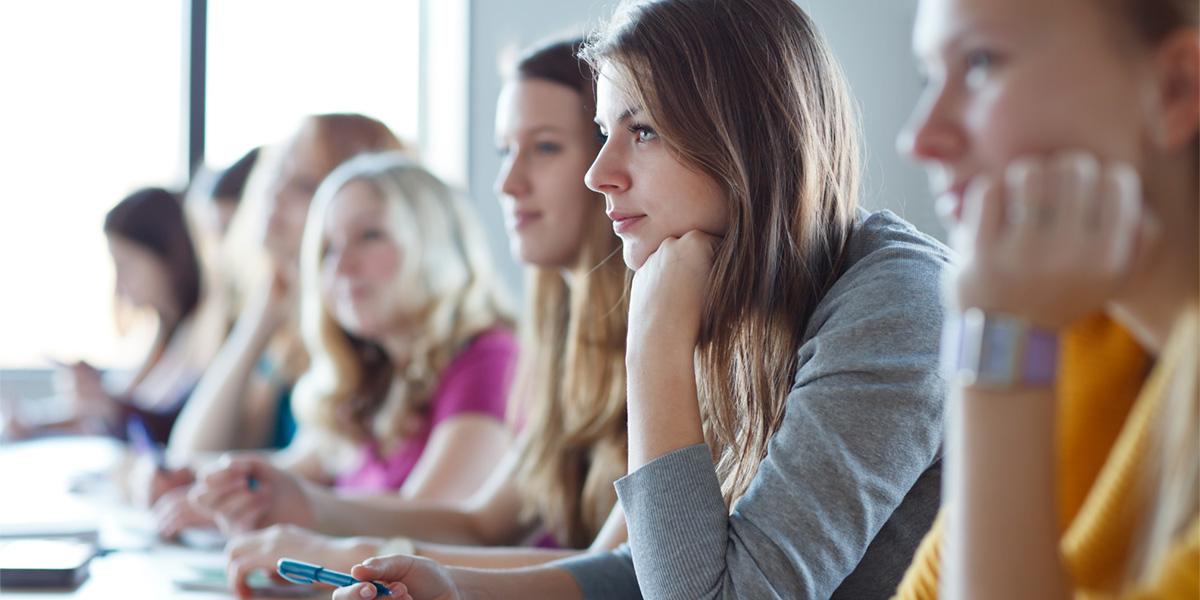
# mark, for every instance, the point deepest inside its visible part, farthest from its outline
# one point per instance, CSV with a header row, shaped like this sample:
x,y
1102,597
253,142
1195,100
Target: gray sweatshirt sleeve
x,y
862,424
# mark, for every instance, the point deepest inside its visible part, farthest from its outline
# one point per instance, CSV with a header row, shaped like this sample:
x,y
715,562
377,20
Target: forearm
x,y
1003,528
664,413
491,558
341,515
210,420
550,583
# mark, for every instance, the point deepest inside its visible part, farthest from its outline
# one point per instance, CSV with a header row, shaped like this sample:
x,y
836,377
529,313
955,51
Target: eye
x,y
547,148
328,253
980,65
643,133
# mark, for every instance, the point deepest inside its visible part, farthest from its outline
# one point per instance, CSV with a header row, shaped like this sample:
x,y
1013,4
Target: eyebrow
x,y
544,128
629,113
535,131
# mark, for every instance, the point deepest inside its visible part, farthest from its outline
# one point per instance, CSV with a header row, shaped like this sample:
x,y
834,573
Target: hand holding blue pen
x,y
306,574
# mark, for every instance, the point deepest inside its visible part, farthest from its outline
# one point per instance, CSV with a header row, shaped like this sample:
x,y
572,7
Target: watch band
x,y
1000,351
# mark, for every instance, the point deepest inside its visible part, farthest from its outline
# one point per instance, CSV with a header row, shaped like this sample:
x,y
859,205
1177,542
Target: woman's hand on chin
x,y
668,294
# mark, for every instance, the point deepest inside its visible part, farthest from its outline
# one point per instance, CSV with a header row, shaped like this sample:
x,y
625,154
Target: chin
x,y
634,256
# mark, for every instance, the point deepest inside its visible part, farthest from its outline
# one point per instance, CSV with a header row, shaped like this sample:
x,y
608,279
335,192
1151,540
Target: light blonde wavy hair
x,y
336,137
1171,486
351,389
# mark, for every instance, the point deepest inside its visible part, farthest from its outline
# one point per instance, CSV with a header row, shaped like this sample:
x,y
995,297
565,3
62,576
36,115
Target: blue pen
x,y
306,574
139,436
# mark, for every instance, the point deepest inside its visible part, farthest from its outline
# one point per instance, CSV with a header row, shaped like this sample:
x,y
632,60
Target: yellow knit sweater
x,y
1102,437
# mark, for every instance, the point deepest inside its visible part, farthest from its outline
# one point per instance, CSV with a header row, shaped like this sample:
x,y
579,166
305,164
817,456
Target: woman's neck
x,y
1167,276
398,346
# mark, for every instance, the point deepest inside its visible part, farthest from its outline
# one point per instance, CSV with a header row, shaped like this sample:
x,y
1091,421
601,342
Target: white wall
x,y
869,37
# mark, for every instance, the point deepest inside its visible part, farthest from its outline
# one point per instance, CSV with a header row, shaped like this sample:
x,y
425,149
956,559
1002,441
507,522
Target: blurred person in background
x,y
243,400
157,269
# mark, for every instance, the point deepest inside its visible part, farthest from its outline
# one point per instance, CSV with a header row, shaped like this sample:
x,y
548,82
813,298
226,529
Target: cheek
x,y
1078,113
382,264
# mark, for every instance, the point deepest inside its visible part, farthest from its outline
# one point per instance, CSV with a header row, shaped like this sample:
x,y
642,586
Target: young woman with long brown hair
x,y
1065,139
784,397
555,490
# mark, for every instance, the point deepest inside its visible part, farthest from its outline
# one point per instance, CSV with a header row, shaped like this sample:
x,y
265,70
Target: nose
x,y
344,263
933,132
608,174
511,180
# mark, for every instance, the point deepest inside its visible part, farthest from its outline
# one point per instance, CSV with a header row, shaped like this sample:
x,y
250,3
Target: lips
x,y
524,218
623,222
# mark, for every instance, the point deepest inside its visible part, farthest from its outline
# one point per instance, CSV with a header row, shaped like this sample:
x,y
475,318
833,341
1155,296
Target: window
x,y
270,62
98,111
92,109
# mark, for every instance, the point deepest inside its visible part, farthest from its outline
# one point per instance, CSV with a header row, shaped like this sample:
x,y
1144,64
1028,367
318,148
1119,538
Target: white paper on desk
x,y
62,517
202,538
213,579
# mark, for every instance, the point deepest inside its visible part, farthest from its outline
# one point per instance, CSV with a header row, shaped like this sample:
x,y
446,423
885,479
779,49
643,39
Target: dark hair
x,y
559,62
153,218
231,182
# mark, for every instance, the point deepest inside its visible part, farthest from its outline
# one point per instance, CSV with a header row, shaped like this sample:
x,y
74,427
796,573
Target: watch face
x,y
998,344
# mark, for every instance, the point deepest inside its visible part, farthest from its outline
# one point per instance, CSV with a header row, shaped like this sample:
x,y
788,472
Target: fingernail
x,y
366,590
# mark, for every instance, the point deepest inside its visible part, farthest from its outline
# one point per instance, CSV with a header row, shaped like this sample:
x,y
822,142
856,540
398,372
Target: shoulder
x,y
478,378
493,345
893,272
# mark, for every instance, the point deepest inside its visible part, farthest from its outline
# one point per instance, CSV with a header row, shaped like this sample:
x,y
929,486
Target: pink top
x,y
476,381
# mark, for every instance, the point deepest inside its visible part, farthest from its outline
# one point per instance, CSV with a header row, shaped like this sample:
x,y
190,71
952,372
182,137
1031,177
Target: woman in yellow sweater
x,y
1063,140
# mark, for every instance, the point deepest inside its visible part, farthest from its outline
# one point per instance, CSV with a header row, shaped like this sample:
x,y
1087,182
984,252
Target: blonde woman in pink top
x,y
411,349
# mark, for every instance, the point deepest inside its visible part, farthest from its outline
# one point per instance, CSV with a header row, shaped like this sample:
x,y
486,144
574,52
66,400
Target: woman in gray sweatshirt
x,y
783,392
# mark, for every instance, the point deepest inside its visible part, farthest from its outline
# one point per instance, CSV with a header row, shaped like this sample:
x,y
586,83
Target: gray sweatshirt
x,y
851,479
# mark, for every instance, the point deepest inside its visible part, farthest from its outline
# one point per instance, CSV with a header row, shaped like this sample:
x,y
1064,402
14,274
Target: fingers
x,y
246,555
361,591
1072,183
1123,218
217,487
174,513
384,568
1027,209
240,512
983,215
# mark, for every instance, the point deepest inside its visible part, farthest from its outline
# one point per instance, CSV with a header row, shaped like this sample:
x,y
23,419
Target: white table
x,y
37,479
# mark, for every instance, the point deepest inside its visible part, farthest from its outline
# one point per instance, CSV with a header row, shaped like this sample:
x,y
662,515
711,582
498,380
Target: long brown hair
x,y
747,92
571,378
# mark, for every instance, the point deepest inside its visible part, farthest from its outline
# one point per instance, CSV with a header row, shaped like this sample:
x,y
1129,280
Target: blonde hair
x,y
571,376
1173,484
337,137
747,92
446,273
